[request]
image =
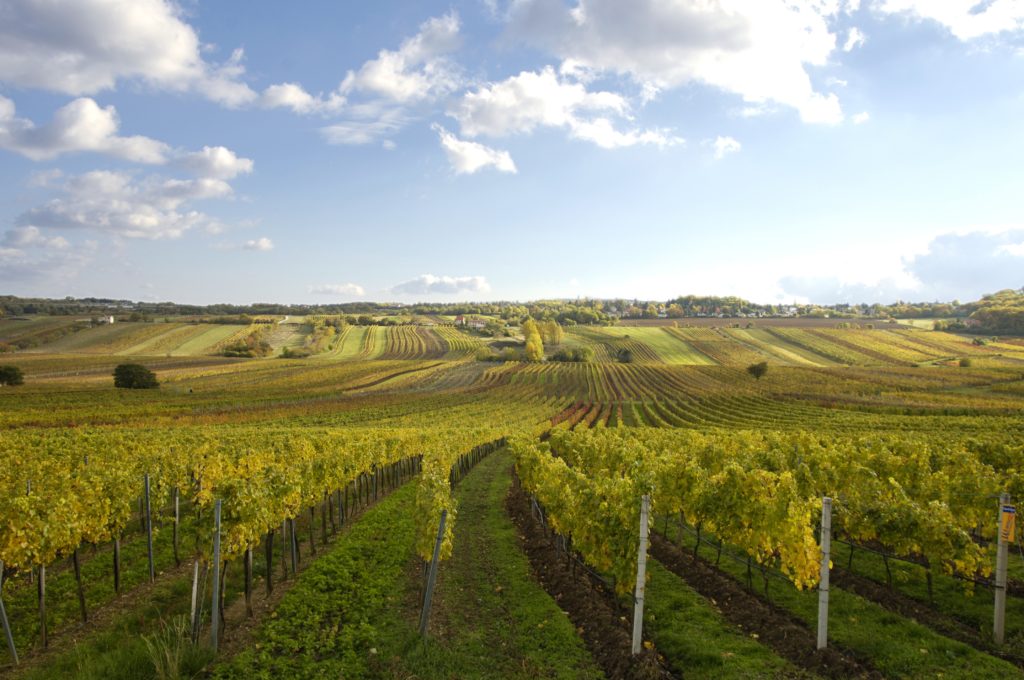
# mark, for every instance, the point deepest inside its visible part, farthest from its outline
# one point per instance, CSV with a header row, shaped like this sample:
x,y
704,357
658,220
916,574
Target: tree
x,y
134,376
758,370
11,375
551,333
534,344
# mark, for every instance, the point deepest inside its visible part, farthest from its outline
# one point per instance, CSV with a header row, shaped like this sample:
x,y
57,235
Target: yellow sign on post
x,y
1008,525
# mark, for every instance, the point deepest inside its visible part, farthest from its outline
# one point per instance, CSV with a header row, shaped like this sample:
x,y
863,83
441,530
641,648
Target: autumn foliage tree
x,y
534,343
551,332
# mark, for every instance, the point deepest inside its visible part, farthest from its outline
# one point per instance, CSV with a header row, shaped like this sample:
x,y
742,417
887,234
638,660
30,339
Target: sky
x,y
318,152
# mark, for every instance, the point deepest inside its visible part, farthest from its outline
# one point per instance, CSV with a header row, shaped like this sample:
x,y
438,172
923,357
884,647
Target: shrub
x,y
758,370
11,375
965,362
134,376
575,355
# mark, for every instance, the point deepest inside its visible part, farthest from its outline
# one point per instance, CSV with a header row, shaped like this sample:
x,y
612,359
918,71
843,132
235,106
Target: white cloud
x,y
262,244
961,266
83,126
115,203
419,69
26,254
757,49
217,162
32,237
532,99
965,19
44,178
854,39
725,146
355,132
861,118
342,289
428,284
470,157
293,96
80,125
87,46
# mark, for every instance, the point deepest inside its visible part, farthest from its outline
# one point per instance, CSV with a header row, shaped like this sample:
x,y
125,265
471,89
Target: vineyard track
x,y
488,610
597,618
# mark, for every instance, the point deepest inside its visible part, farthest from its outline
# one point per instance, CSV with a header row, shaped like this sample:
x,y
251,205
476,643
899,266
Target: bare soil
x,y
599,621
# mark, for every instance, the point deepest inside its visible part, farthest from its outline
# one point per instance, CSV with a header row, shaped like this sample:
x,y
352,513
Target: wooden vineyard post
x,y
248,582
295,546
284,548
195,601
149,531
428,595
270,562
215,604
4,621
177,518
312,529
42,604
117,564
641,575
1007,517
78,581
826,549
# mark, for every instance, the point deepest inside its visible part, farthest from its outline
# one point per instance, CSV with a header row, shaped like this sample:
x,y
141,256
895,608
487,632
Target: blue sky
x,y
812,150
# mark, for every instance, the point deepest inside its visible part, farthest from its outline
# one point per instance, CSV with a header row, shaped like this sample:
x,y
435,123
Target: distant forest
x,y
1001,312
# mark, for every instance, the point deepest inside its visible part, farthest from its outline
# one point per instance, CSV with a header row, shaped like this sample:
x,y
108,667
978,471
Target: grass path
x,y
491,619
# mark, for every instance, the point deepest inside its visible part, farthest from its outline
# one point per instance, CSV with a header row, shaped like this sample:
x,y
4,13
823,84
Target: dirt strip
x,y
605,630
787,635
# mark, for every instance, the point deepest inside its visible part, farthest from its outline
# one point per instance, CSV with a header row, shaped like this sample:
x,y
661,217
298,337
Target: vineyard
x,y
246,501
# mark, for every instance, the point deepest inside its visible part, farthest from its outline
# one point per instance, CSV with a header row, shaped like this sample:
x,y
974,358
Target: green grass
x,y
694,638
324,627
97,569
119,652
895,645
490,618
950,596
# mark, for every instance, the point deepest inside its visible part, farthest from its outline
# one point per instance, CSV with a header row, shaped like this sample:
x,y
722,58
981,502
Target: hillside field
x,y
332,471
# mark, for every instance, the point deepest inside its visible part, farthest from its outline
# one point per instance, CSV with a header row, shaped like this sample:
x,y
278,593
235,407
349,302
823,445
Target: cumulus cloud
x,y
378,98
757,49
381,96
89,46
84,126
293,96
217,162
262,244
467,158
337,289
428,284
962,266
419,69
118,204
965,19
80,125
532,99
861,118
725,146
